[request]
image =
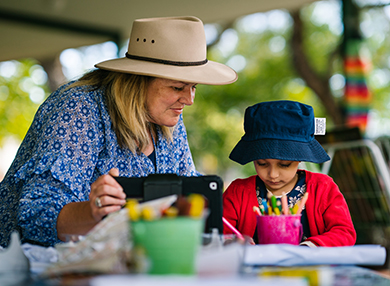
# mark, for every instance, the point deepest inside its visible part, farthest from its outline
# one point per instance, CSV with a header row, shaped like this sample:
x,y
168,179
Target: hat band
x,y
165,62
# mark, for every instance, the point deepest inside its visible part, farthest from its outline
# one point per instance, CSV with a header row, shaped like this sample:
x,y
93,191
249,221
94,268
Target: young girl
x,y
278,136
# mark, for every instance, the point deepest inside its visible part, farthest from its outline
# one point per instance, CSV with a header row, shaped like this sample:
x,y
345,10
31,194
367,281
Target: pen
x,y
284,204
273,203
302,203
232,228
279,205
265,206
257,210
261,207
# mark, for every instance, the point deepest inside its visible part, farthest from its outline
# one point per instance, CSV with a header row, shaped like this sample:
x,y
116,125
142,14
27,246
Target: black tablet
x,y
156,186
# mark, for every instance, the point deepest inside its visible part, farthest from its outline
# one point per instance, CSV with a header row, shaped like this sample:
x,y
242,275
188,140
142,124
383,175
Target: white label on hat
x,y
320,126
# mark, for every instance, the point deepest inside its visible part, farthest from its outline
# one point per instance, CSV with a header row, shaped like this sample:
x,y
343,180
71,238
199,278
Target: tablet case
x,y
160,185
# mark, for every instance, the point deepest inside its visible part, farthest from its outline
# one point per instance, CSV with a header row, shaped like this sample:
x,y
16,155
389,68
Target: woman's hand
x,y
80,217
106,195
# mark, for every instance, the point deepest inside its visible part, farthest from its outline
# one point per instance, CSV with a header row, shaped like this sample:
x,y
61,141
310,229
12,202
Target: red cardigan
x,y
330,222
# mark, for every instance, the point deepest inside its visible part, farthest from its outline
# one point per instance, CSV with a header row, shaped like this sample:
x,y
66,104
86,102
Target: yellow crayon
x,y
196,205
171,212
277,211
295,209
148,213
132,209
131,202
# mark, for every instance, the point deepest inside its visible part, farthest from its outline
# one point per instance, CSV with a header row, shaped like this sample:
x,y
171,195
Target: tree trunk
x,y
54,72
319,84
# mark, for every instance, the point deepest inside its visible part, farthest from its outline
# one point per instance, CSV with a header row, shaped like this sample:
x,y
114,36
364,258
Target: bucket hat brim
x,y
247,151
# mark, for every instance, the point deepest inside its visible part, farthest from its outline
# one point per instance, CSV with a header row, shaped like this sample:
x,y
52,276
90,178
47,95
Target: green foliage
x,y
378,47
16,107
215,122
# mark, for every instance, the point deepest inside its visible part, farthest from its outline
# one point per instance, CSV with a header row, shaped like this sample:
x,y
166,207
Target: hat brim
x,y
211,73
247,151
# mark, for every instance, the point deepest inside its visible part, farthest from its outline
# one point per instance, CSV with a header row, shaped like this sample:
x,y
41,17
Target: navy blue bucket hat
x,y
281,130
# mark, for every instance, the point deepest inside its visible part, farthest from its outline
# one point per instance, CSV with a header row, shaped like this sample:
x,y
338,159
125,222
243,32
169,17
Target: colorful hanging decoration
x,y
357,96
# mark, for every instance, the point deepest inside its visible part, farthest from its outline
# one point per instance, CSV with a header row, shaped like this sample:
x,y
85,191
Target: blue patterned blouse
x,y
68,146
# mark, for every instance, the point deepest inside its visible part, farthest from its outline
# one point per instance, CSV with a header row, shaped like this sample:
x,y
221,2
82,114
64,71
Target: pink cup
x,y
274,229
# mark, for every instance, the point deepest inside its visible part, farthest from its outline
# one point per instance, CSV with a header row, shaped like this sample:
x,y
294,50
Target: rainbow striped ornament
x,y
357,96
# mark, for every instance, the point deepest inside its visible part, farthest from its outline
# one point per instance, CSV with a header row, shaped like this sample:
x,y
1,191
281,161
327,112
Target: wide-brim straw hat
x,y
282,130
173,48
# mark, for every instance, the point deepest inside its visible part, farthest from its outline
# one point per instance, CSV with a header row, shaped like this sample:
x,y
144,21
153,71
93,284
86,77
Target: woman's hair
x,y
125,96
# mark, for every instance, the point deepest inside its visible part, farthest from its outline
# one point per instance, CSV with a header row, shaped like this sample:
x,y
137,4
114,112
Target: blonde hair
x,y
125,96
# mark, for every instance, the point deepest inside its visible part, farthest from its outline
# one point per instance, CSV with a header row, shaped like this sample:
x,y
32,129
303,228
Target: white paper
x,y
291,255
224,261
172,280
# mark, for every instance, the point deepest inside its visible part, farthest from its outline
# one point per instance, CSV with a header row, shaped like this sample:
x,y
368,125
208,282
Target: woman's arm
x,y
49,209
81,217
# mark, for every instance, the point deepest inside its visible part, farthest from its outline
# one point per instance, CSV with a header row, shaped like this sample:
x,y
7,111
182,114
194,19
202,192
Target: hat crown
x,y
282,130
178,39
173,48
282,120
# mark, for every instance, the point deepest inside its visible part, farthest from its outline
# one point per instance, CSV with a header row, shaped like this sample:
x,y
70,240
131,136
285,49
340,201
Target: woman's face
x,y
165,100
278,175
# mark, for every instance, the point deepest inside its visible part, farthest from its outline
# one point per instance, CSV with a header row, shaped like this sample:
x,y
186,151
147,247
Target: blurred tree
x,y
278,55
317,78
301,60
268,74
22,89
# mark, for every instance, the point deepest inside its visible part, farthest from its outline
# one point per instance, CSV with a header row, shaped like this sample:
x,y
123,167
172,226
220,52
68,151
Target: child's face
x,y
278,175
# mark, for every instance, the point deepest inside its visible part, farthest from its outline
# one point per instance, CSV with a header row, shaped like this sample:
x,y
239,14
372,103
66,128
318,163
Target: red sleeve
x,y
328,214
238,201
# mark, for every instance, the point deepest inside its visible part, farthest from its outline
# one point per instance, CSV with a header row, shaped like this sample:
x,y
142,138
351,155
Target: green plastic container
x,y
171,244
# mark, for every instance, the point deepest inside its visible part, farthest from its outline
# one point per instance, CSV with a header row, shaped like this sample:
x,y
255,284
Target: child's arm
x,y
238,201
230,213
328,214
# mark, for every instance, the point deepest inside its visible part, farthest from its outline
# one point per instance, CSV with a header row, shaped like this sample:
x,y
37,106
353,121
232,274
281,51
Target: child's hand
x,y
249,240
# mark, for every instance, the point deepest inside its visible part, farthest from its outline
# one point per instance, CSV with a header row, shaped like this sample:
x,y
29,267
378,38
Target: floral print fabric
x,y
68,146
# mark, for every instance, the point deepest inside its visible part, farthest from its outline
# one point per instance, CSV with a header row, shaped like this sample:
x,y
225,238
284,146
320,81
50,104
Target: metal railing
x,y
377,156
363,176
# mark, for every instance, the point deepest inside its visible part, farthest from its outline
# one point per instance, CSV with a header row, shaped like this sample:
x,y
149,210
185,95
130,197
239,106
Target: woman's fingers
x,y
99,213
104,205
110,201
114,172
106,195
107,189
107,185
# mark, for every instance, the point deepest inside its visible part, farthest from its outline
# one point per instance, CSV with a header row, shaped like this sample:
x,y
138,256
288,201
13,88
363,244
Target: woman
x,y
125,118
